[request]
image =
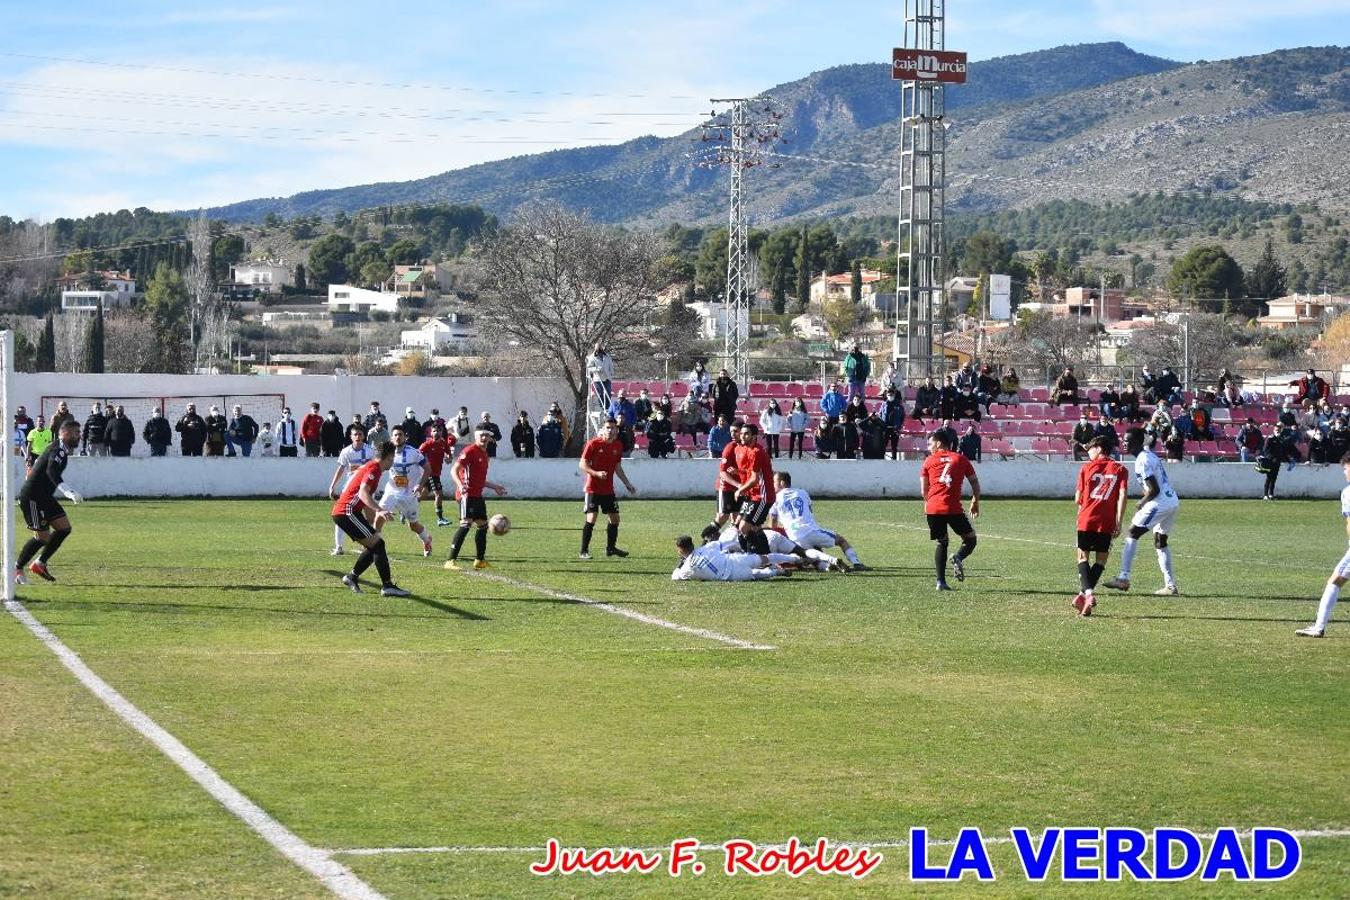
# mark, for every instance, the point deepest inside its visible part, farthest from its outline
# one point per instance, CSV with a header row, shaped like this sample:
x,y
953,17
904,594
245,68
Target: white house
x,y
713,319
77,294
810,327
346,299
264,275
437,333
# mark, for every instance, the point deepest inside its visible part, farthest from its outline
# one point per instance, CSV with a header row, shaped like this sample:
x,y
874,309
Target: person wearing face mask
x,y
92,438
216,425
192,429
158,433
331,435
287,435
121,433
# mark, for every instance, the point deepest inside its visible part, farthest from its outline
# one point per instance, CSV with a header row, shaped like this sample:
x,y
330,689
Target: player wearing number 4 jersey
x,y
1157,512
1339,575
1101,508
793,513
602,462
940,481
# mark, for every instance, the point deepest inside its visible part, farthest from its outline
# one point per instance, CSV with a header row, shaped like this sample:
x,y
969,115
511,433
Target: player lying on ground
x,y
732,541
1100,495
358,496
42,513
1157,511
1339,574
792,511
707,563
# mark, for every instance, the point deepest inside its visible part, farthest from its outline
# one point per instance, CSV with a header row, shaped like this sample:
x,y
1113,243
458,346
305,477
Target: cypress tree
x,y
93,346
803,272
45,359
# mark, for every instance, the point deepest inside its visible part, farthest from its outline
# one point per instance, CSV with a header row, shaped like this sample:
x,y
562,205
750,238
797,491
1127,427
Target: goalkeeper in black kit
x,y
41,512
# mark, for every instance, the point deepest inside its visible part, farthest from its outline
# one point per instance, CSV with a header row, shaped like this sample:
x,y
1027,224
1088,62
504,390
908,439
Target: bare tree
x,y
125,348
1212,343
71,341
1047,343
203,314
554,283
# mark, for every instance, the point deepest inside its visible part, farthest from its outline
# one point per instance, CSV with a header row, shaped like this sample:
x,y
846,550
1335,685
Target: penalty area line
x,y
633,614
885,844
333,875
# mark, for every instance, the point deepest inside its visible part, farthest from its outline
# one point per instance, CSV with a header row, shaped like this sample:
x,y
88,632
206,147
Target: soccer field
x,y
483,716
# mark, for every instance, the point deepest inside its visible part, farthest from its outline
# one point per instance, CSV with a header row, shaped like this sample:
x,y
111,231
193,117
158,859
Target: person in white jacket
x,y
771,423
797,422
700,382
600,370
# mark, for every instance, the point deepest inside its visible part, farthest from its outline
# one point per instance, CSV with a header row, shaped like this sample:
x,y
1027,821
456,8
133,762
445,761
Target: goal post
x,y
11,460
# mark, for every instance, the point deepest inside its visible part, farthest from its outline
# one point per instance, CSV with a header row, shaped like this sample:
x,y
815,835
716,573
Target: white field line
x,y
319,863
627,613
1069,545
885,844
444,651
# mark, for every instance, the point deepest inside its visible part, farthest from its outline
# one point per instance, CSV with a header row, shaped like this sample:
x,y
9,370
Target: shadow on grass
x,y
1101,615
40,605
447,608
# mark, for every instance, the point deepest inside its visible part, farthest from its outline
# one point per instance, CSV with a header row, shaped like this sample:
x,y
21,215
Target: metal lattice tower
x,y
923,171
745,135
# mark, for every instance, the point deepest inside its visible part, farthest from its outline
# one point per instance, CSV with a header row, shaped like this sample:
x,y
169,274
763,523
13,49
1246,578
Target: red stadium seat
x,y
815,391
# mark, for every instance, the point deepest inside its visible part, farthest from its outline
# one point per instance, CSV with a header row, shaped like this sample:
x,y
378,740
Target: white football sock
x,y
762,574
782,558
1165,563
1127,558
338,535
819,556
1328,603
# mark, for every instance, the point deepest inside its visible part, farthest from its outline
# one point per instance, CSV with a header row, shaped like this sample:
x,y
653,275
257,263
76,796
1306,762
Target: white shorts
x,y
1155,517
817,539
1342,569
403,504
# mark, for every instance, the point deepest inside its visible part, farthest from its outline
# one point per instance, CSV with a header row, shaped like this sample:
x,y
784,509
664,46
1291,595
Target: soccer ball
x,y
499,524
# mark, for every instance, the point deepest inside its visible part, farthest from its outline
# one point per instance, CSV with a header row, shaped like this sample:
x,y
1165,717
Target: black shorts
x,y
756,512
726,503
434,484
940,522
1094,541
605,503
354,525
39,513
472,508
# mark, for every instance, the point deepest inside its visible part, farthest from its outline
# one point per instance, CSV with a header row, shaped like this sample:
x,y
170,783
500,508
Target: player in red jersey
x,y
470,476
359,494
940,481
435,449
754,486
1101,496
725,484
602,460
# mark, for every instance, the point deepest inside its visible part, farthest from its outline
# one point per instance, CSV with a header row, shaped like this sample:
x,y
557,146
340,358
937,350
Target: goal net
x,y
261,407
12,459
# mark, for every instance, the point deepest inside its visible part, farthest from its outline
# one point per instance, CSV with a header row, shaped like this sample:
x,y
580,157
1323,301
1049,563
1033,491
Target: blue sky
x,y
210,103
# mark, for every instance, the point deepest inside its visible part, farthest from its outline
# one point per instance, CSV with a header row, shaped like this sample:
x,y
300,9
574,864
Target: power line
x,y
267,76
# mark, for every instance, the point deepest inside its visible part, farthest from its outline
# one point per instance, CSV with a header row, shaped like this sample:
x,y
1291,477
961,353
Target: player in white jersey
x,y
1157,512
732,541
404,483
353,456
708,563
1340,574
792,511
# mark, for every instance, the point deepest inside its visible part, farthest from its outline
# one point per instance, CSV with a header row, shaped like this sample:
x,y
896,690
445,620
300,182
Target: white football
x,y
499,524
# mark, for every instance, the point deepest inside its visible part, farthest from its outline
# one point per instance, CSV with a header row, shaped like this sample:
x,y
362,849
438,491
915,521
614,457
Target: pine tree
x,y
1267,278
45,360
93,346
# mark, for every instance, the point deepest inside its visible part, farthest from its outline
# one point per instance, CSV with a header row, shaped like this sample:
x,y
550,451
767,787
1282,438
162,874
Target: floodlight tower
x,y
744,135
923,66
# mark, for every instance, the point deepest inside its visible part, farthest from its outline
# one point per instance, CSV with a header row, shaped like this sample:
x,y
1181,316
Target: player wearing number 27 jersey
x,y
1100,496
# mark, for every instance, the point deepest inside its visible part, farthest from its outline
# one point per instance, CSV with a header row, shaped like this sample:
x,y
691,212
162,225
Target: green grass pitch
x,y
488,714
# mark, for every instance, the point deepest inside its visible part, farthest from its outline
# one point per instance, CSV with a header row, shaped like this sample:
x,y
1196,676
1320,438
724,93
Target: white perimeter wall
x,y
503,397
559,478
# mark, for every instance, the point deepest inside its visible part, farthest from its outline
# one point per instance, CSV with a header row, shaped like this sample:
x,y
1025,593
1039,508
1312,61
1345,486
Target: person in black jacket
x,y
1083,432
158,434
412,427
93,438
660,443
971,445
1106,431
893,417
927,400
216,426
550,437
724,394
121,433
873,431
486,423
522,437
1274,452
241,432
947,395
192,427
332,436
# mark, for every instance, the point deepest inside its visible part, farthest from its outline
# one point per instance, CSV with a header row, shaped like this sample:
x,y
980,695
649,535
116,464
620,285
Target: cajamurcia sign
x,y
948,66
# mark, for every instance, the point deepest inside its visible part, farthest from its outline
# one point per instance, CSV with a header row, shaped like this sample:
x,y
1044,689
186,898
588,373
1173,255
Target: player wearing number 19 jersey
x,y
1157,512
940,481
1100,496
1339,575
